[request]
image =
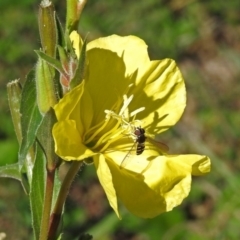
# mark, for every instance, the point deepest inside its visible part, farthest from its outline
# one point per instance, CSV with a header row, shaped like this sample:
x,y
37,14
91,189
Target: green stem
x,y
47,205
57,211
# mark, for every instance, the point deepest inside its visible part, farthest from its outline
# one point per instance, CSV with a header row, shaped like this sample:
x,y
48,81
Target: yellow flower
x,y
122,91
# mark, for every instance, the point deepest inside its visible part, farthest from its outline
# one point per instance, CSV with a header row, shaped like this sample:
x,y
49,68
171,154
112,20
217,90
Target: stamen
x,y
137,111
92,131
126,102
110,142
106,136
123,115
103,125
115,129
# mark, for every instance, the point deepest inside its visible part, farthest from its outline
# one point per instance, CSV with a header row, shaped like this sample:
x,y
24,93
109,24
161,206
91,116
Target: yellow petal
x,y
159,187
135,194
111,62
131,49
72,105
161,90
68,144
105,178
199,164
116,62
68,106
106,81
76,42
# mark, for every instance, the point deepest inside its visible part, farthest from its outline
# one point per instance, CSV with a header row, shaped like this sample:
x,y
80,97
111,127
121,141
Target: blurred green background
x,y
204,38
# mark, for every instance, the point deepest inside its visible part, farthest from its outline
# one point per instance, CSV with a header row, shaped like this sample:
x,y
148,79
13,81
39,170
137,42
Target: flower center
x,y
115,126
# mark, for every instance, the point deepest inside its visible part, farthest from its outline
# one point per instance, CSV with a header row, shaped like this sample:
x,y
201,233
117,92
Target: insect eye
x,y
137,132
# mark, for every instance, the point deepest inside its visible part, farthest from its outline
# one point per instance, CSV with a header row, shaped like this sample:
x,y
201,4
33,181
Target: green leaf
x,y
45,139
37,190
52,61
69,46
11,171
63,58
30,117
61,38
79,74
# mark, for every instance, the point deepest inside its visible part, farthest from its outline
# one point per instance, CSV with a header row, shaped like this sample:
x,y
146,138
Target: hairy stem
x,y
47,204
58,208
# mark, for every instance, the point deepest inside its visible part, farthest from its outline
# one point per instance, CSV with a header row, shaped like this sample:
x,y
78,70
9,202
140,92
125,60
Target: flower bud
x,y
47,27
46,94
74,10
14,90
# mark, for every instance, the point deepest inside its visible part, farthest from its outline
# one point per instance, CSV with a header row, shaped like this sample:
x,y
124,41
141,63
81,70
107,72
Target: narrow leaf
x,y
45,139
60,31
52,61
11,171
30,117
79,74
37,190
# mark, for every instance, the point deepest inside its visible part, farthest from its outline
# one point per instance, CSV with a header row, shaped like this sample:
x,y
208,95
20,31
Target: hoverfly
x,y
140,144
140,140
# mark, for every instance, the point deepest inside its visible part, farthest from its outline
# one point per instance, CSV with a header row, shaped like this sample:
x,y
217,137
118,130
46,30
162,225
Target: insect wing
x,y
163,147
127,157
